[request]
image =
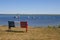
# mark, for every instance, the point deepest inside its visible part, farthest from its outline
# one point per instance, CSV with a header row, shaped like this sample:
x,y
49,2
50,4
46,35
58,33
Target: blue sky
x,y
30,6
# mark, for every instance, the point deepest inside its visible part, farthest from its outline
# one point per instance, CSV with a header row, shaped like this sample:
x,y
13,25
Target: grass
x,y
32,34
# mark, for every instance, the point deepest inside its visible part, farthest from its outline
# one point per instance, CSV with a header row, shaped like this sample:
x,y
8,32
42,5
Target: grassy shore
x,y
32,34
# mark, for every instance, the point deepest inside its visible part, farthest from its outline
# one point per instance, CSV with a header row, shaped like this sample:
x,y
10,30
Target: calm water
x,y
33,20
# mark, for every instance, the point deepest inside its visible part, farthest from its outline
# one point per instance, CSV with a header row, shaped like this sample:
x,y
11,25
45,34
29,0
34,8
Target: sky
x,y
29,6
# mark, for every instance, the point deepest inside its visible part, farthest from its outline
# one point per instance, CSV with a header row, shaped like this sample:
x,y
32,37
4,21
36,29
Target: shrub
x,y
49,26
58,26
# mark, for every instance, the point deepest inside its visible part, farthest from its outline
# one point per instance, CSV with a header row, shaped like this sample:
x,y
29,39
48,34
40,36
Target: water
x,y
33,20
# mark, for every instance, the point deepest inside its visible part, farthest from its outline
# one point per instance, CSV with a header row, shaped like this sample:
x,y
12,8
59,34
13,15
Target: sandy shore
x,y
32,34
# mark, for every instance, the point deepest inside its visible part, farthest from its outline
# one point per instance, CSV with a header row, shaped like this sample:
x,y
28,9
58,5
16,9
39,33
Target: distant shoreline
x,y
32,14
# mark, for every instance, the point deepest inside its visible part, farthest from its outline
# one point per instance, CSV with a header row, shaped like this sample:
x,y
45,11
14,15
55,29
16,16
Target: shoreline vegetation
x,y
49,26
34,33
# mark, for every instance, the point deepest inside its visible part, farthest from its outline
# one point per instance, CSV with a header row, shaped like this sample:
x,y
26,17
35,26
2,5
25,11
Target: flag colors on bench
x,y
23,24
11,23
